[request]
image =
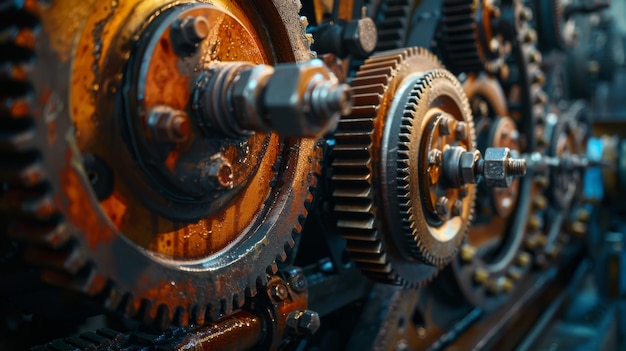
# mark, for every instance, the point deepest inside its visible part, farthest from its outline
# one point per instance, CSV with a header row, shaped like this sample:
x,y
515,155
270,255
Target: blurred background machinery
x,y
312,175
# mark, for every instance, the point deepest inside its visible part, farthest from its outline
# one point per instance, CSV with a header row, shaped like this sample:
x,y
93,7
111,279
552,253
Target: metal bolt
x,y
481,275
507,285
303,322
192,30
168,125
442,206
467,253
530,36
360,37
280,292
457,208
538,77
534,222
578,228
516,167
534,56
435,157
526,14
296,279
444,125
514,273
523,259
460,130
540,202
220,172
531,242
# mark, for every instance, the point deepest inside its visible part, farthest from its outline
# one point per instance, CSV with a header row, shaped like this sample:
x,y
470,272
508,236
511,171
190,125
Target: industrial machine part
x,y
299,174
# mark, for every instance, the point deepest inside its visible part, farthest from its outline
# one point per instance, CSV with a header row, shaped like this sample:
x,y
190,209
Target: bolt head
x,y
442,206
294,91
168,125
303,322
435,157
360,37
444,125
457,208
495,167
469,162
460,130
218,173
280,292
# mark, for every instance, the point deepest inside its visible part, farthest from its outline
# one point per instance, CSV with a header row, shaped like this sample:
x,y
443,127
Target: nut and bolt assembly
x,y
303,322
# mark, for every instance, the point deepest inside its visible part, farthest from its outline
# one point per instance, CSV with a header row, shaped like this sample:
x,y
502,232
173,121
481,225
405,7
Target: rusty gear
x,y
159,258
368,174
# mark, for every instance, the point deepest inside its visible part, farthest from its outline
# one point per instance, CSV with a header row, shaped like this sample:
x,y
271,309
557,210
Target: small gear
x,y
403,99
392,18
470,42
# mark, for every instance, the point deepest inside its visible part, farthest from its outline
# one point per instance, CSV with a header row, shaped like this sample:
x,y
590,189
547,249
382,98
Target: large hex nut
x,y
469,165
288,99
245,95
495,167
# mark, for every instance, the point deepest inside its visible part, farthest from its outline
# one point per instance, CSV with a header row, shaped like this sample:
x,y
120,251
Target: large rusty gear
x,y
401,98
61,138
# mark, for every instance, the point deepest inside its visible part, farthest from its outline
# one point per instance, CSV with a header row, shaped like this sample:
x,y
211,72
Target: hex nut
x,y
289,102
245,95
495,167
469,162
360,37
303,322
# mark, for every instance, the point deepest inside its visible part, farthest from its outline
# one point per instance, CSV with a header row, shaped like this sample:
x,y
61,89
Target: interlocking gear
x,y
381,170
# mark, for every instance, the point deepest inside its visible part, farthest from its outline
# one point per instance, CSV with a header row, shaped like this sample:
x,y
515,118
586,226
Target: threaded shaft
x,y
516,167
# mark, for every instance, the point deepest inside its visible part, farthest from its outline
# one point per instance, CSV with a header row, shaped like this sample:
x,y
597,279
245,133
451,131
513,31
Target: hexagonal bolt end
x,y
360,37
168,125
303,322
193,30
499,167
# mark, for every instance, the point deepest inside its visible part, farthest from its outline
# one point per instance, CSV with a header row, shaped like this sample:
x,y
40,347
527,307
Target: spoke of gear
x,y
397,102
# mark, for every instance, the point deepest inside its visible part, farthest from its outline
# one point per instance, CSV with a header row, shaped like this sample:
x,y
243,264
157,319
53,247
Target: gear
x,y
93,219
392,18
472,44
403,102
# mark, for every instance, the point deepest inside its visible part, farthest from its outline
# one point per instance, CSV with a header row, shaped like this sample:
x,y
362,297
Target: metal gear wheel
x,y
472,42
404,100
91,218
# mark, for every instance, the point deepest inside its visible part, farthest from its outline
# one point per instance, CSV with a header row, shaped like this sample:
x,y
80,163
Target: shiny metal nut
x,y
304,99
303,322
245,94
495,167
469,162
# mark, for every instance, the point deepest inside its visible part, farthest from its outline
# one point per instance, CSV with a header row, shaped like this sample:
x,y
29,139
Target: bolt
x,y
467,253
280,292
507,285
538,77
168,125
481,275
578,228
457,208
460,130
444,125
523,259
541,181
296,279
531,242
220,172
494,45
541,97
193,30
534,56
514,273
526,14
534,222
540,202
583,215
530,36
435,157
516,167
442,206
360,37
303,322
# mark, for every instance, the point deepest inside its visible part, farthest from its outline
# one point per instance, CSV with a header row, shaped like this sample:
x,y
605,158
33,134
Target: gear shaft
x,y
292,99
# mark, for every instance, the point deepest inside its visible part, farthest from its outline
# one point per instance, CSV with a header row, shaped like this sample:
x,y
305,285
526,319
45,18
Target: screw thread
x,y
516,167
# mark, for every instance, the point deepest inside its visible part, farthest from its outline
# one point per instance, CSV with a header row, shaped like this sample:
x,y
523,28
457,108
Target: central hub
x,y
184,160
